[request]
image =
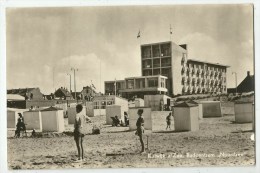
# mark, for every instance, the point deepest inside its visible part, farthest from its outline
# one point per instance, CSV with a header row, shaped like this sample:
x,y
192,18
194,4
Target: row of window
x,y
205,67
102,104
156,51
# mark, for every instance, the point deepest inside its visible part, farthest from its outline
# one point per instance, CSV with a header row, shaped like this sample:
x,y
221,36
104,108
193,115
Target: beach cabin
x,y
112,111
155,102
62,106
33,120
243,112
211,109
133,116
186,117
200,109
52,120
12,116
89,109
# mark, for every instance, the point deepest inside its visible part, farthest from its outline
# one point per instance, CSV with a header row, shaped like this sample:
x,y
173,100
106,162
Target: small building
x,y
112,111
62,94
26,98
27,93
211,109
52,120
244,112
137,86
186,117
247,85
33,120
88,93
100,103
76,95
156,102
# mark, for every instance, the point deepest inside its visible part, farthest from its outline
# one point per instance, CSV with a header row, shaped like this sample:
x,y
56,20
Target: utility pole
x,y
235,79
115,86
70,82
74,70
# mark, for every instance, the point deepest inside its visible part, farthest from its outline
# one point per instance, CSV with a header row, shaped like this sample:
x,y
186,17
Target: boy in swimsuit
x,y
140,128
78,135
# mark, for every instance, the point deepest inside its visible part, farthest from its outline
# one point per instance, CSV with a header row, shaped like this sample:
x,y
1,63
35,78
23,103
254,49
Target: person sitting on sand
x,y
78,135
140,128
117,121
168,121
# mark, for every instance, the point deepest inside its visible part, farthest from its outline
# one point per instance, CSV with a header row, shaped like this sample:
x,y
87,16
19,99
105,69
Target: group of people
x,y
79,135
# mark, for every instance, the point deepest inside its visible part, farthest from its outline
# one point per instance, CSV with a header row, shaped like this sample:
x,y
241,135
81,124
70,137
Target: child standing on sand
x,y
168,121
78,135
140,128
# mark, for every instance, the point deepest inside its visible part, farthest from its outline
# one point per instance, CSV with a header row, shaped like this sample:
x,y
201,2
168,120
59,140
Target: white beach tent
x,y
244,112
186,117
33,120
112,111
211,109
200,109
52,120
12,116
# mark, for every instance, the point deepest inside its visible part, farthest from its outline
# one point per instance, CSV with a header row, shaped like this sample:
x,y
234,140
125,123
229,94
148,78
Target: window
x,y
96,105
152,82
165,50
146,52
162,83
140,83
156,51
130,84
103,104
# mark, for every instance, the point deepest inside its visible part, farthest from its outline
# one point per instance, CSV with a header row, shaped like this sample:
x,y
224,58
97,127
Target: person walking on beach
x,y
140,128
78,135
168,121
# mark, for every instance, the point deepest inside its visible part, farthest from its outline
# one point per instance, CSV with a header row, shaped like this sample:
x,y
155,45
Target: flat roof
x,y
149,44
205,62
147,77
110,81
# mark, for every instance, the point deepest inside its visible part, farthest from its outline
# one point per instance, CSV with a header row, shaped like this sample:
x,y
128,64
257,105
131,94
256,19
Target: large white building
x,y
183,75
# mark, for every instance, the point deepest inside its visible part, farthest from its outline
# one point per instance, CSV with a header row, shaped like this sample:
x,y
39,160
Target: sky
x,y
43,44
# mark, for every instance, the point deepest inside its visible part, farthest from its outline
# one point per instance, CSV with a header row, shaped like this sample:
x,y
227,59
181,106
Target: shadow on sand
x,y
170,131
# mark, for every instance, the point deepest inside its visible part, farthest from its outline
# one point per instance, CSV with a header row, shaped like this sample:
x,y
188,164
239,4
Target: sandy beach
x,y
218,142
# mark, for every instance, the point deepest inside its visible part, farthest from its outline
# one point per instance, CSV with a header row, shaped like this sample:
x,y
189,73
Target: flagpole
x,y
115,86
170,32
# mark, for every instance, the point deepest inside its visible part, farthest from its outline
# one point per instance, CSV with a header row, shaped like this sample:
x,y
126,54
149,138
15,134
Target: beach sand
x,y
219,142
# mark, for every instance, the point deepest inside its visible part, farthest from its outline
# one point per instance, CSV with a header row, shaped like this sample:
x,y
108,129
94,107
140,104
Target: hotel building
x,y
168,62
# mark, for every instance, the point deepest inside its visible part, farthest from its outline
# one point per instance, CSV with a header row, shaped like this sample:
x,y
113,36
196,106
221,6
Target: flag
x,y
139,34
93,86
170,29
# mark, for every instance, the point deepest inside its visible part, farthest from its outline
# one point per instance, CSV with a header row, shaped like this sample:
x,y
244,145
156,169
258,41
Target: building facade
x,y
164,59
203,77
168,62
185,76
137,86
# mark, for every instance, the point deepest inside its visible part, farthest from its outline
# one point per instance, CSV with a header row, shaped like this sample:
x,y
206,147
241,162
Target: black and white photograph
x,y
130,86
